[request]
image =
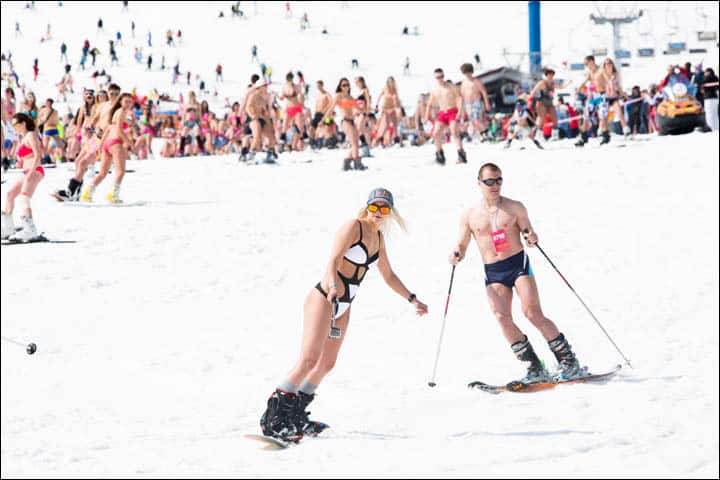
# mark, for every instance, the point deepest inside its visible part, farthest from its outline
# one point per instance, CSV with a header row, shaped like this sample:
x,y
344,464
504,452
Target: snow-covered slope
x,y
450,34
162,331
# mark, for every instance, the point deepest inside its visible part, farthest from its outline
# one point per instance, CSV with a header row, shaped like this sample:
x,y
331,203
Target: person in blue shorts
x,y
496,223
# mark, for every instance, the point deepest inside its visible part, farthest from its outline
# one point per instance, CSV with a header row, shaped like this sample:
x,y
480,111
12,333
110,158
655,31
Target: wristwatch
x,y
411,298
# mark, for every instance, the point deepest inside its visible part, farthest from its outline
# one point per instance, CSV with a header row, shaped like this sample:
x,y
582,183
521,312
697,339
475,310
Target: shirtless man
x,y
247,131
476,100
596,102
449,100
322,103
257,108
48,118
294,107
496,222
269,132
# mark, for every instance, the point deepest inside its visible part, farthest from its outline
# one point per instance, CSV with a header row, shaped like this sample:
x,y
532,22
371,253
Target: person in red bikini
x,y
115,146
448,98
294,116
29,153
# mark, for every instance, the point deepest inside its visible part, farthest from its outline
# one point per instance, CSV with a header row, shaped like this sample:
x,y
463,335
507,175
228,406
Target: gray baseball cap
x,y
381,194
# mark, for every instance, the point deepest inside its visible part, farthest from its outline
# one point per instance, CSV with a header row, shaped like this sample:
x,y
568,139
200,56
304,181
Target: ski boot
x,y
626,132
114,195
8,227
243,154
278,419
536,372
269,160
359,165
302,421
87,194
568,366
605,137
365,151
583,139
462,157
27,233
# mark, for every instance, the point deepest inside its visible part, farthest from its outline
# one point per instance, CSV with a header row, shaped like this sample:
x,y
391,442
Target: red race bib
x,y
500,240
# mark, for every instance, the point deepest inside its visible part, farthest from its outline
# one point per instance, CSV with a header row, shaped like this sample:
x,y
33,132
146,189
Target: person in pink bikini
x,y
115,146
29,153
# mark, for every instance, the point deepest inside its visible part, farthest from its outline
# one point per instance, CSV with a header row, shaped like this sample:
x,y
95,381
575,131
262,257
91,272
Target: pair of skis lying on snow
x,y
273,443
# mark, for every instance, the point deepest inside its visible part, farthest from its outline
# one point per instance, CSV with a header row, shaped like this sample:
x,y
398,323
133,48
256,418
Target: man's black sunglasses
x,y
492,181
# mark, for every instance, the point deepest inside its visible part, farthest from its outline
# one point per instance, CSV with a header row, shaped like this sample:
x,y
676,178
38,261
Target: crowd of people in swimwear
x,y
276,120
111,125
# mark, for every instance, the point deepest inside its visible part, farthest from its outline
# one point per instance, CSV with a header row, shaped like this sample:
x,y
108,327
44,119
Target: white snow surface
x,y
162,332
164,329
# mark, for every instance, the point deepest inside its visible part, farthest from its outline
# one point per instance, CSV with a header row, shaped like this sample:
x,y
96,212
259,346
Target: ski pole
x,y
442,329
30,348
525,232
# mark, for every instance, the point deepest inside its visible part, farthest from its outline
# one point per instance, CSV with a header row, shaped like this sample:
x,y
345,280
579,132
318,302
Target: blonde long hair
x,y
385,228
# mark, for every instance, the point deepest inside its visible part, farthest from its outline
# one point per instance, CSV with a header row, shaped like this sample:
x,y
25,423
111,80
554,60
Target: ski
x,y
40,239
99,205
521,387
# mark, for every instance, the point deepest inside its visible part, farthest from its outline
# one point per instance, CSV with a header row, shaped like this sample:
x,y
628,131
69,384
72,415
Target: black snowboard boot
x,y
359,165
74,189
583,139
279,418
302,421
605,137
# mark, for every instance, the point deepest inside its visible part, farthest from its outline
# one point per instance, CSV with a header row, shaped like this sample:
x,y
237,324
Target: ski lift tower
x,y
616,23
